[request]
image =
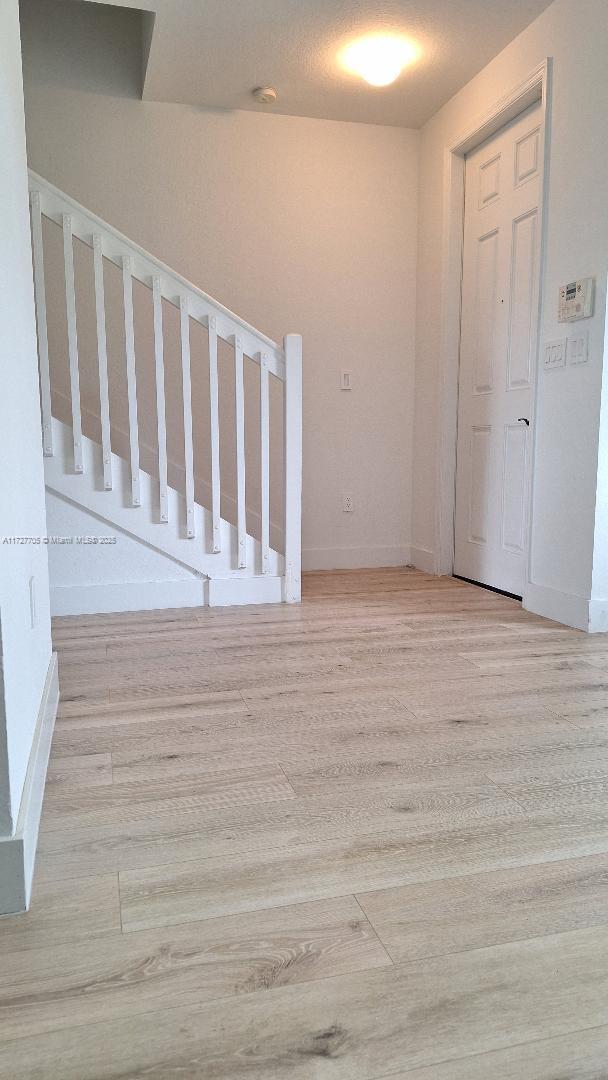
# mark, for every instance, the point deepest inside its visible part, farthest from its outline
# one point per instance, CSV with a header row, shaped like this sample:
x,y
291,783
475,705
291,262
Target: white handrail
x,y
145,267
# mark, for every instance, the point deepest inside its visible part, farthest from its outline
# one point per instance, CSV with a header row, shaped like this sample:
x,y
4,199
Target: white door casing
x,y
500,282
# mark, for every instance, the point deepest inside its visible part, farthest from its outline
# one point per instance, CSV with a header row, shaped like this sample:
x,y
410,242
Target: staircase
x,y
172,510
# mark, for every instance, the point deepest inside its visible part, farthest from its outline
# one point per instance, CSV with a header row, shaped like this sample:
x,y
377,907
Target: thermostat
x,y
576,300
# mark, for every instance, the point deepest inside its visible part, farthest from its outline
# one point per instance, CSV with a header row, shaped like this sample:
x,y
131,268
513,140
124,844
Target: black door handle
x,y
523,420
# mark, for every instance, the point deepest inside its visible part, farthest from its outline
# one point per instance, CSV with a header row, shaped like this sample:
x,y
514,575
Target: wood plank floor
x,y
362,838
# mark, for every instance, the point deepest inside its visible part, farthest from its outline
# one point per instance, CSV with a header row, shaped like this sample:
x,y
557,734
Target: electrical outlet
x,y
348,504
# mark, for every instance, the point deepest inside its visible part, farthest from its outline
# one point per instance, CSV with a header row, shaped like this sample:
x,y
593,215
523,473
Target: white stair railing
x,y
102,361
284,363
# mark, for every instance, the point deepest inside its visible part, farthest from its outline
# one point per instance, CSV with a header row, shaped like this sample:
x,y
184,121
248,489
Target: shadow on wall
x,y
55,62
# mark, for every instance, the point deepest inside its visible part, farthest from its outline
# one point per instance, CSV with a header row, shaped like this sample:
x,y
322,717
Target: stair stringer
x,y
227,583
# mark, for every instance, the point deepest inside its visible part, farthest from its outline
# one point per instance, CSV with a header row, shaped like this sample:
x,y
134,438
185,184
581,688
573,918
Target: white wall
x,y
599,584
576,36
296,224
26,651
119,575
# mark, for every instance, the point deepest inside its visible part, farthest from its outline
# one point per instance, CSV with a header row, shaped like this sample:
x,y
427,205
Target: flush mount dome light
x,y
265,95
379,58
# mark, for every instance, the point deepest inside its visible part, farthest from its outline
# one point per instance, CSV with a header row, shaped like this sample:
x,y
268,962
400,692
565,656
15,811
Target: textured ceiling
x,y
214,52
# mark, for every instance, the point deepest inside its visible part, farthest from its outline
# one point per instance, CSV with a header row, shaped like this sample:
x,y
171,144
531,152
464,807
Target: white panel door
x,y
497,353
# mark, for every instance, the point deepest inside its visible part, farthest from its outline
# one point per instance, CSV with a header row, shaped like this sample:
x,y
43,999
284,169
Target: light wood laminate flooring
x,y
362,838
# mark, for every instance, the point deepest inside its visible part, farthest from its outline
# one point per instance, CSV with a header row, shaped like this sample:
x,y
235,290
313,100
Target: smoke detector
x,y
265,95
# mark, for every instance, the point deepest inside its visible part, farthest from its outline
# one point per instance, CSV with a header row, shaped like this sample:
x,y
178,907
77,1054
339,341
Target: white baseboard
x,y
423,559
354,558
235,591
567,608
128,596
18,852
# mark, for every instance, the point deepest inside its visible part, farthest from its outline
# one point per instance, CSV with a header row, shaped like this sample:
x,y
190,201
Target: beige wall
x,y
567,435
296,224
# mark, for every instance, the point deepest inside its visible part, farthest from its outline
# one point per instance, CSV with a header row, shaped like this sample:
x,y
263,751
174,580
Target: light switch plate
x,y
578,348
554,354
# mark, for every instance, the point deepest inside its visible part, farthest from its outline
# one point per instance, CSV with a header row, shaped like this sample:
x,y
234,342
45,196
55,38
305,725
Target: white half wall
x,y
568,419
118,573
26,669
296,224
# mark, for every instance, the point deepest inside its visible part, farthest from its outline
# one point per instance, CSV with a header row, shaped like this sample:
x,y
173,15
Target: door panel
x,y
484,343
515,461
521,315
480,477
527,155
497,353
489,181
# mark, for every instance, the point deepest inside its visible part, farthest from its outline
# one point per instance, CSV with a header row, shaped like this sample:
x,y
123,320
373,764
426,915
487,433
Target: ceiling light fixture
x,y
265,95
379,58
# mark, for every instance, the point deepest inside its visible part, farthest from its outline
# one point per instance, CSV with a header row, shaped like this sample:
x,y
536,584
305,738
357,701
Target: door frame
x,y
535,88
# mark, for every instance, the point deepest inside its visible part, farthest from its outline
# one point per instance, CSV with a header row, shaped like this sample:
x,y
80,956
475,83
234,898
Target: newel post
x,y
292,428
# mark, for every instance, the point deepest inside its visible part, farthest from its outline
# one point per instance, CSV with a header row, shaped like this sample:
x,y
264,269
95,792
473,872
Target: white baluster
x,y
241,511
187,400
215,436
43,342
292,428
265,461
160,399
127,288
70,302
102,362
